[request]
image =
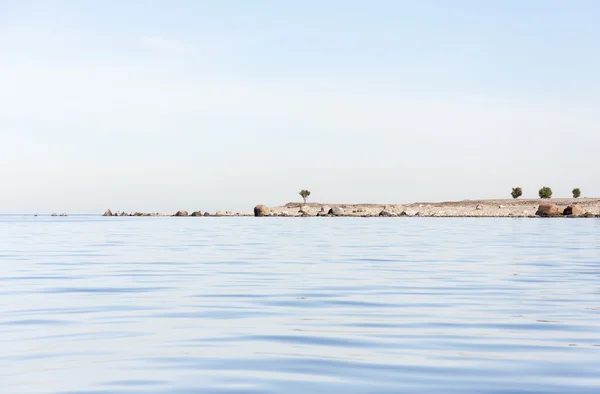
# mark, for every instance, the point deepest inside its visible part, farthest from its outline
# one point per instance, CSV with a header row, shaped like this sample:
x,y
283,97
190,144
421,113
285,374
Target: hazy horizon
x,y
154,106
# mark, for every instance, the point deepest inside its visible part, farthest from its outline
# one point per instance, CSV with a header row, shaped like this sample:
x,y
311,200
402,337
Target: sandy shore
x,y
465,208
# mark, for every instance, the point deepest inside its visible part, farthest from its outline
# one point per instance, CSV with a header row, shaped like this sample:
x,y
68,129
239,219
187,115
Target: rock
x,y
206,213
547,210
385,213
219,213
196,213
320,213
261,210
336,211
479,207
573,210
409,212
63,214
108,212
181,213
54,214
139,214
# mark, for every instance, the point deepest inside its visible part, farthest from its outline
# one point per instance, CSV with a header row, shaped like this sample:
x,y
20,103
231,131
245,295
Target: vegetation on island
x,y
304,194
545,192
516,192
576,192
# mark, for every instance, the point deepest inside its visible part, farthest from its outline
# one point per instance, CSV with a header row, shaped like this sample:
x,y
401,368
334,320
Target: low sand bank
x,y
465,208
589,207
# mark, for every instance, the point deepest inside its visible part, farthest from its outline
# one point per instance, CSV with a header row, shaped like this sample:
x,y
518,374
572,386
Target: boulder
x,y
219,213
54,214
261,210
108,212
547,210
409,212
336,211
181,213
573,210
385,213
206,213
196,213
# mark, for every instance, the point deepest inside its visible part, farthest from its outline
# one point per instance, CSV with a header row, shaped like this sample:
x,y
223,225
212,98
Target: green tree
x,y
304,194
545,192
576,192
516,192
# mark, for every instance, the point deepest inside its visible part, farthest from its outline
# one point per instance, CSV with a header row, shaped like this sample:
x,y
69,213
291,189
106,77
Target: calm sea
x,y
299,305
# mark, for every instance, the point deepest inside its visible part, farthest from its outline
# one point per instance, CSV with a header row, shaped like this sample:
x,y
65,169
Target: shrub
x,y
304,194
576,192
516,192
545,192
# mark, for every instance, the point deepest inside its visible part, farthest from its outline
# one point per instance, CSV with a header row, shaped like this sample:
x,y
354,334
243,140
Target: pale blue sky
x,y
159,106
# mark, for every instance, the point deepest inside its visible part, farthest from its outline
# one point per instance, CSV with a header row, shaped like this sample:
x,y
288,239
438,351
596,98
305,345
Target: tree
x,y
545,192
576,192
304,194
516,192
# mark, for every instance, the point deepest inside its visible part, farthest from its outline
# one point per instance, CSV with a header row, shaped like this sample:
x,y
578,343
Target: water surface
x,y
299,305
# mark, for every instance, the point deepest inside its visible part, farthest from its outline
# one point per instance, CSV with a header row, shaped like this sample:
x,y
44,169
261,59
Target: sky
x,y
158,106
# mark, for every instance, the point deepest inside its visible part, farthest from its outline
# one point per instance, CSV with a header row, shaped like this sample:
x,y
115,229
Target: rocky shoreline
x,y
563,207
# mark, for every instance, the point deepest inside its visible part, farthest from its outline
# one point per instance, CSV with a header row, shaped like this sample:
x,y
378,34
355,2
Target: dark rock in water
x,y
139,214
385,213
54,214
108,213
549,210
181,213
336,211
261,210
206,213
196,213
573,210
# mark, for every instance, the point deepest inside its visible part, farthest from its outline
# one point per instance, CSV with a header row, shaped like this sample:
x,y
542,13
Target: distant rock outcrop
x,y
108,213
181,213
548,210
573,210
261,210
196,213
336,211
386,213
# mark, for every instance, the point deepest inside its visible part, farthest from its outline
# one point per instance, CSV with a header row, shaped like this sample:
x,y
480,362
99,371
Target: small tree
x,y
304,194
576,192
545,192
516,192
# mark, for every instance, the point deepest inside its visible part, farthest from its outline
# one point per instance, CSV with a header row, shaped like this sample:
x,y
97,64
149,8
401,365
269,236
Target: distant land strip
x,y
520,208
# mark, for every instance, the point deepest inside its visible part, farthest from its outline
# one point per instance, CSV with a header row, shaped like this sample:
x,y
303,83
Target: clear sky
x,y
166,105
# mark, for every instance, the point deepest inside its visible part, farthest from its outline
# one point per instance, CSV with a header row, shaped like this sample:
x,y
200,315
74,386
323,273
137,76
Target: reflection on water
x,y
299,305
